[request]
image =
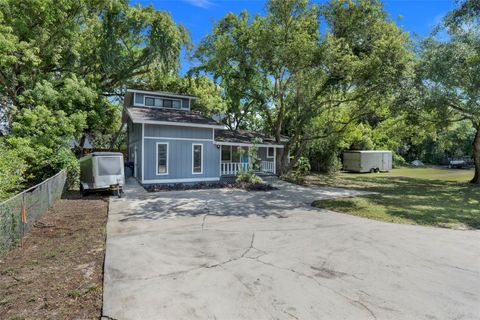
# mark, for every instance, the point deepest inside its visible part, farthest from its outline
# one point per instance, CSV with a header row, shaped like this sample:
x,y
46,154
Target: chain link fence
x,y
19,213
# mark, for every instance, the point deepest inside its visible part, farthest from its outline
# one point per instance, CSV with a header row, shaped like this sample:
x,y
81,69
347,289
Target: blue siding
x,y
138,98
152,130
135,142
180,160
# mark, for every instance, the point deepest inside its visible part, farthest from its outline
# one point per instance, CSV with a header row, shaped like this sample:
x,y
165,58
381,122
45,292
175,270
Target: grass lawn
x,y
427,196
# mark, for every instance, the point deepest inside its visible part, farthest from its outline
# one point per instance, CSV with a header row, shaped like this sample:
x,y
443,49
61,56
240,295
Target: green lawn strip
x,y
409,195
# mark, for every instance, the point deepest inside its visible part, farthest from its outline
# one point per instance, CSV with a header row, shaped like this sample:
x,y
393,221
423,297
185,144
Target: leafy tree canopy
x,y
70,61
283,69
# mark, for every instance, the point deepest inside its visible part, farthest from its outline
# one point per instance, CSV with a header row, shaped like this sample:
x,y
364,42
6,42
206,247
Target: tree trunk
x,y
82,144
476,156
115,136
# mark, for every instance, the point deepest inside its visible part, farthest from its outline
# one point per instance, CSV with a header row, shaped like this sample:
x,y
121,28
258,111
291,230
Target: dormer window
x,y
163,103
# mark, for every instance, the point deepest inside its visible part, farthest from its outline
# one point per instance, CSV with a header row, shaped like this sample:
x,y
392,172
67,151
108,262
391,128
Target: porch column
x,y
274,160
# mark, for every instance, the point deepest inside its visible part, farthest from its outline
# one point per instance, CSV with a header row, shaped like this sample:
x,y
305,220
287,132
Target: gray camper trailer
x,y
367,161
102,171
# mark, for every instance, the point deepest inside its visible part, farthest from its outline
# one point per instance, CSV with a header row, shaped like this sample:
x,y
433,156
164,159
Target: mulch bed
x,y
58,273
217,185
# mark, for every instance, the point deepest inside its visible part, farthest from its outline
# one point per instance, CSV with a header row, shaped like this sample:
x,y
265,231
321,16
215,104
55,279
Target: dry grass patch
x,y
58,273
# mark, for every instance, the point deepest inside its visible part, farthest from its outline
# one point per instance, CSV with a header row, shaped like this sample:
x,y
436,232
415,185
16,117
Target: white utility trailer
x,y
367,161
102,171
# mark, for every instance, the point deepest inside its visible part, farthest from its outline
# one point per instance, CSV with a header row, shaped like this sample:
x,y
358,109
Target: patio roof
x,y
245,138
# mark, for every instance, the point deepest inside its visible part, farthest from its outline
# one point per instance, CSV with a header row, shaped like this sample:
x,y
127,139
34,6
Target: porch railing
x,y
267,166
234,168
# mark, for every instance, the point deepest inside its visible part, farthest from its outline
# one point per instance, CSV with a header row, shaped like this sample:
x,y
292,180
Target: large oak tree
x,y
291,71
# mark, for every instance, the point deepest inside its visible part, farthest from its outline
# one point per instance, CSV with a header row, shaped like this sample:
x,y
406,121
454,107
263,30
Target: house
x,y
169,143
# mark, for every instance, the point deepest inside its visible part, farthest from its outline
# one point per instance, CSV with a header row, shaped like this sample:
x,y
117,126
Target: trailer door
x,y
386,161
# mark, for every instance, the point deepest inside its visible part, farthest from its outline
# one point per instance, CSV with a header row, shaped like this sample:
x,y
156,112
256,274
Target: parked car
x,y
102,171
460,163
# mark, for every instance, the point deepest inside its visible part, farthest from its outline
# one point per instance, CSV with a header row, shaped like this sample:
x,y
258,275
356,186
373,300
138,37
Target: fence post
x,y
23,218
49,194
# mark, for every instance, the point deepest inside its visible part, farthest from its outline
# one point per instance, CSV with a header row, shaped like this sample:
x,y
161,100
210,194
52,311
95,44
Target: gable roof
x,y
171,117
244,137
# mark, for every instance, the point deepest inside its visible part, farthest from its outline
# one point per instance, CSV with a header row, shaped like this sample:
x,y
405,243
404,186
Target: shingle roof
x,y
169,115
244,136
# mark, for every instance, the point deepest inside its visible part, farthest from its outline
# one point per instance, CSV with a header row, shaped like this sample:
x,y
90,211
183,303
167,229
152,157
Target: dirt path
x,y
58,272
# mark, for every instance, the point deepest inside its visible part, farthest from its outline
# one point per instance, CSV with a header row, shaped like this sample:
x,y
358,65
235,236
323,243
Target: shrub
x,y
248,177
398,160
65,159
244,176
12,171
300,171
256,180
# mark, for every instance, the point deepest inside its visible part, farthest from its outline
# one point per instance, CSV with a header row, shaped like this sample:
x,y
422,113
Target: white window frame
x,y
156,163
221,152
201,158
270,157
163,105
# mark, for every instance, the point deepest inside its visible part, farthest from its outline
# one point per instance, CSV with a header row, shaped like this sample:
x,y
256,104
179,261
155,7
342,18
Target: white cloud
x,y
200,3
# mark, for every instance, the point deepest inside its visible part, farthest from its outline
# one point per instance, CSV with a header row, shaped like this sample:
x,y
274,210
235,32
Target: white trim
x,y
181,180
220,160
180,124
183,139
247,144
271,157
201,158
166,94
135,160
156,158
143,152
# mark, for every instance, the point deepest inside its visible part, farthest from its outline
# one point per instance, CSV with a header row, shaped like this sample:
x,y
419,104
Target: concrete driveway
x,y
230,254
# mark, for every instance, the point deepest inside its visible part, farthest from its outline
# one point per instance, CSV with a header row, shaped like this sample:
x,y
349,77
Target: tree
x,y
467,11
12,169
210,96
41,139
71,60
449,82
300,74
73,55
227,55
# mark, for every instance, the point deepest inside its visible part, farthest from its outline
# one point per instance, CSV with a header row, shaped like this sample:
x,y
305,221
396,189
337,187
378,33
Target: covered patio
x,y
234,149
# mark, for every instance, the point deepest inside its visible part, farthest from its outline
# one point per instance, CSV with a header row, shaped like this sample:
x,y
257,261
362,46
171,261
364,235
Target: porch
x,y
234,168
235,159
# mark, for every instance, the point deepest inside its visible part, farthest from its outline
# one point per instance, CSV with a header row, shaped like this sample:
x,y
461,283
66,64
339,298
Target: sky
x,y
414,16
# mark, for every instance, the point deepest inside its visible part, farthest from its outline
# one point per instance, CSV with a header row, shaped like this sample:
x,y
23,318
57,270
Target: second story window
x,y
177,104
163,103
150,102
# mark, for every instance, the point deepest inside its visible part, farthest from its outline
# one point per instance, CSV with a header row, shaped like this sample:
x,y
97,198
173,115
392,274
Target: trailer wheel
x,y
372,170
377,170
